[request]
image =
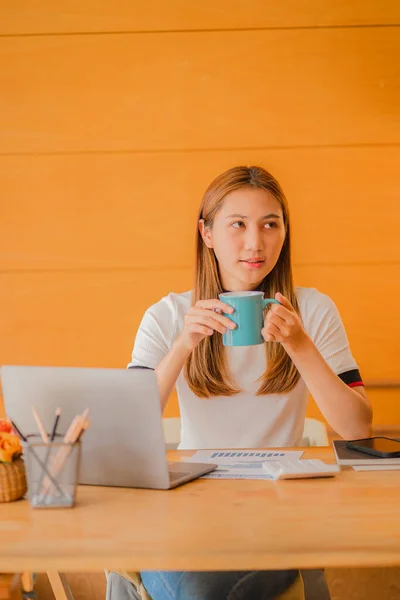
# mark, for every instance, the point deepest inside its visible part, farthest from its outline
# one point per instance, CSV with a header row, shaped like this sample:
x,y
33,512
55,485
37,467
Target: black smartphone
x,y
383,447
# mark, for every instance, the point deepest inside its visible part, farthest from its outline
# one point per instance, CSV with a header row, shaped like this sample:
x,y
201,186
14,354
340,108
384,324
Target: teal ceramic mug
x,y
248,316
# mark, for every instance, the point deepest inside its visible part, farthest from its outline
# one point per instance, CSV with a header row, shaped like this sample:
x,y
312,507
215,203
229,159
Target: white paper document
x,y
376,467
241,464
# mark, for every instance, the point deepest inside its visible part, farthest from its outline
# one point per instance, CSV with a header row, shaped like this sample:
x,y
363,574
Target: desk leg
x,y
59,584
27,585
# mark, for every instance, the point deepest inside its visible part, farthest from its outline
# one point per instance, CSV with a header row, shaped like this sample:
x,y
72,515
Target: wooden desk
x,y
352,520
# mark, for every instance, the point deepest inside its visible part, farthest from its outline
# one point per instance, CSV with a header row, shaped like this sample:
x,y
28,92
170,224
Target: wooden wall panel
x,y
200,90
83,319
386,405
363,295
46,16
139,210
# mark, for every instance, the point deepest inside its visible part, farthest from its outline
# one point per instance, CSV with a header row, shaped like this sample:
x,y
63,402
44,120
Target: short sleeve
x,y
326,329
155,334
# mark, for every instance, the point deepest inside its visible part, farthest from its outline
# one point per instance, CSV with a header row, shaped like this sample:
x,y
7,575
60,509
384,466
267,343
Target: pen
x,y
18,431
53,432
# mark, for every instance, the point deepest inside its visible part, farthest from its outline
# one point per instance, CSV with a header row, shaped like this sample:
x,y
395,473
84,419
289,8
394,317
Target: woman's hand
x,y
202,320
283,324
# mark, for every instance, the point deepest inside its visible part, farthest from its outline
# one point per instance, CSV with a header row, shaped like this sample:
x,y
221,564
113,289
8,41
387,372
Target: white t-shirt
x,y
244,420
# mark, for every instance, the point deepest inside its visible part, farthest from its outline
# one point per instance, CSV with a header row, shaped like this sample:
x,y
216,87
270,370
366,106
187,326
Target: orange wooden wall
x,y
114,117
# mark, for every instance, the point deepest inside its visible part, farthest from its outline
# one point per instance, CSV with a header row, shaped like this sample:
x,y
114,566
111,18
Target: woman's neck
x,y
257,288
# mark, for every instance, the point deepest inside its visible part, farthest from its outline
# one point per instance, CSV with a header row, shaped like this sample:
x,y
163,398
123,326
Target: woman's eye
x,y
237,224
241,224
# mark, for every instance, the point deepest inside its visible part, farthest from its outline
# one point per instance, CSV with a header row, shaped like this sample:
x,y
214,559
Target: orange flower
x,y
5,426
10,447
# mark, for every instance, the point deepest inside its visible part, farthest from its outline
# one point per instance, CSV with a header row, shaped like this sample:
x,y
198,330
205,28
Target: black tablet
x,y
382,447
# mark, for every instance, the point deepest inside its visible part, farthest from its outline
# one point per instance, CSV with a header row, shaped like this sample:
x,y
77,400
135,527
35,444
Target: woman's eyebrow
x,y
270,216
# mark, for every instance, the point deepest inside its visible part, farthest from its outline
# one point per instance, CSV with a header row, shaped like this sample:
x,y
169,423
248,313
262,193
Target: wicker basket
x,y
12,480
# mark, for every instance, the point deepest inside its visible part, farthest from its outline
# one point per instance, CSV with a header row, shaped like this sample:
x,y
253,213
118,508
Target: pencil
x,y
40,425
85,427
75,427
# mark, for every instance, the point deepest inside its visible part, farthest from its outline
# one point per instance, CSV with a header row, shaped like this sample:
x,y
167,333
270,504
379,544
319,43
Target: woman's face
x,y
247,237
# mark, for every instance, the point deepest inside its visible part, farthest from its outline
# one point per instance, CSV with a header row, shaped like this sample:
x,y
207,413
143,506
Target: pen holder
x,y
52,472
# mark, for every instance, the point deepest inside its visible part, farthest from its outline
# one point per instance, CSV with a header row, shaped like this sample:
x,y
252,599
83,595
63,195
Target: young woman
x,y
255,396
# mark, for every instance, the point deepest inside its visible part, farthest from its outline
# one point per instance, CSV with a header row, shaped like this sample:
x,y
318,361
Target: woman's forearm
x,y
346,410
169,369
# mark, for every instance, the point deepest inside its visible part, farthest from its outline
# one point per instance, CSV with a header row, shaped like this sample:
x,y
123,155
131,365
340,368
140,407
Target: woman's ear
x,y
205,233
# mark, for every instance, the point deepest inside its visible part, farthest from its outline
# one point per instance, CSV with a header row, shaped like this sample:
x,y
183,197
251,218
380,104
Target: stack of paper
x,y
241,464
362,460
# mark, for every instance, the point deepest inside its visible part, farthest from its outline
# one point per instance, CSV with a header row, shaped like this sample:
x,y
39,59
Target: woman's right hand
x,y
202,320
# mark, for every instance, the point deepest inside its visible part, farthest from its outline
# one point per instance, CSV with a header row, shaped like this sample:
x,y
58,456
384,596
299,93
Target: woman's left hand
x,y
282,323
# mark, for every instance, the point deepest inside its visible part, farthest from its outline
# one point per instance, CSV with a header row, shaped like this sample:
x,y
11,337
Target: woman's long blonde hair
x,y
206,369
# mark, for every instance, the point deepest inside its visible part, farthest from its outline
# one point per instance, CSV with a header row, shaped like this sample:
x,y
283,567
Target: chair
x,y
294,592
314,434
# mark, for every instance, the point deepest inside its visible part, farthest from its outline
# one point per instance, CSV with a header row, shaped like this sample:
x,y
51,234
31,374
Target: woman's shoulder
x,y
165,317
172,305
308,295
313,302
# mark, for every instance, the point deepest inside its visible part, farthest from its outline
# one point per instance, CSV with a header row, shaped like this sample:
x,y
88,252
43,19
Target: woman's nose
x,y
253,239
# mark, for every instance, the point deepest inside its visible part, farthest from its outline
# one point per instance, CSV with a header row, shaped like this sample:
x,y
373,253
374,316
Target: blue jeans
x,y
216,585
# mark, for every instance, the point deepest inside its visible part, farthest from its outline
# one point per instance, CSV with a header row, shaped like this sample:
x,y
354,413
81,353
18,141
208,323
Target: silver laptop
x,y
124,445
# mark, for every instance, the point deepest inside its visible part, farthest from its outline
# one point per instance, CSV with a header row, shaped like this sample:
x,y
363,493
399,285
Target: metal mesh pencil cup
x,y
52,472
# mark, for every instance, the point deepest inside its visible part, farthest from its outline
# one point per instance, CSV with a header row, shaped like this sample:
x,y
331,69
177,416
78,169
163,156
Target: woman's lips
x,y
253,264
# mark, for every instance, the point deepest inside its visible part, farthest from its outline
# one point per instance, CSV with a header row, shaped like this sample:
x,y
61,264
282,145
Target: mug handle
x,y
266,301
